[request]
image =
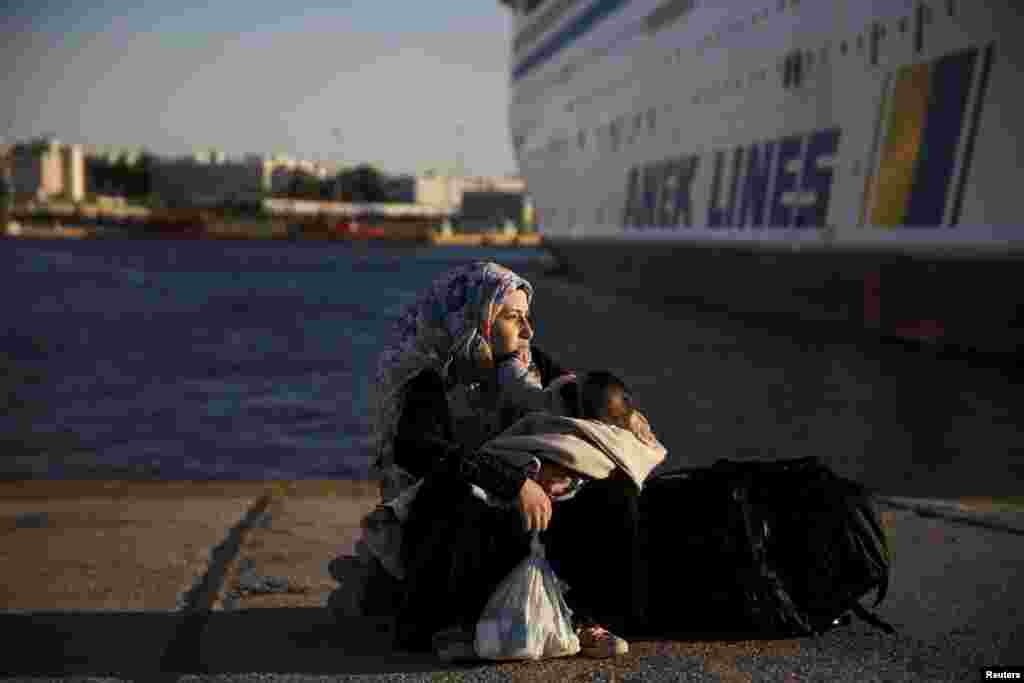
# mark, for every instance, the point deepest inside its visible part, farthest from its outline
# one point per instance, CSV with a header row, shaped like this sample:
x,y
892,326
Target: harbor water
x,y
199,360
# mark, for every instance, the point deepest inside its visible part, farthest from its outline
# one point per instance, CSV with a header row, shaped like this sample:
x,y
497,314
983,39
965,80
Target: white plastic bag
x,y
527,617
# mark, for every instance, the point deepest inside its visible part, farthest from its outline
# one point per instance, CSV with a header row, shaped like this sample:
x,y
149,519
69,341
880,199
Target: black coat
x,y
456,548
425,444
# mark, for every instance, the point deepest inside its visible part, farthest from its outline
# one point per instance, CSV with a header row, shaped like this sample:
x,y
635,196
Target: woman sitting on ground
x,y
460,348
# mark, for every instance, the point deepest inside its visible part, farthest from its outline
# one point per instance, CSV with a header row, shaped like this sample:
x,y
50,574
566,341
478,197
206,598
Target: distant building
x,y
194,182
207,179
400,188
45,169
485,210
446,191
73,172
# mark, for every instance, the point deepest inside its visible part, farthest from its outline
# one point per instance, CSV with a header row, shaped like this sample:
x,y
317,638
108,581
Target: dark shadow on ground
x,y
157,645
142,645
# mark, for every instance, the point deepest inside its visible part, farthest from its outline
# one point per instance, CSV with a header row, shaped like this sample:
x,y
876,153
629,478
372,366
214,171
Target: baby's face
x,y
619,409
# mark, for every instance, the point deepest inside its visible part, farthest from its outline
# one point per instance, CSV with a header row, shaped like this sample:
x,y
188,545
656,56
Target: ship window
x,y
651,122
613,131
581,139
903,25
860,44
638,123
793,70
823,54
951,7
843,47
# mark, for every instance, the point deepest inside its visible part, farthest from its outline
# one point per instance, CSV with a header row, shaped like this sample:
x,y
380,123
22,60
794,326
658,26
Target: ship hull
x,y
948,299
843,161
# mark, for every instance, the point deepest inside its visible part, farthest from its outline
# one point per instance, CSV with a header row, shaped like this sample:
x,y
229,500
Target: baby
x,y
601,396
598,395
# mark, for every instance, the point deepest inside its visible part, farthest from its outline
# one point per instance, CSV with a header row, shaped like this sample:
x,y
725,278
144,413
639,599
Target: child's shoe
x,y
598,642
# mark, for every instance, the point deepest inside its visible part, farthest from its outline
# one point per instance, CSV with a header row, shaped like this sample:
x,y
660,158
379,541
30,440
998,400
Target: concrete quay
x,y
94,610
934,438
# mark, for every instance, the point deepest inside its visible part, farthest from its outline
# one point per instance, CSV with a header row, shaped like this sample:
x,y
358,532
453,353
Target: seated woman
x,y
440,392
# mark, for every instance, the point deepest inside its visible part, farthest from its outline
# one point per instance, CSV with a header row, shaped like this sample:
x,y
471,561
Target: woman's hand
x,y
639,425
535,506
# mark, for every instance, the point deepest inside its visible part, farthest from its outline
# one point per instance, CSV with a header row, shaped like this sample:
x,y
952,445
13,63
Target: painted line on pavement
x,y
183,653
1005,522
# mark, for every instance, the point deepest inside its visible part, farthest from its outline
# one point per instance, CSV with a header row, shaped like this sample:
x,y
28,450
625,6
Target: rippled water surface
x,y
198,359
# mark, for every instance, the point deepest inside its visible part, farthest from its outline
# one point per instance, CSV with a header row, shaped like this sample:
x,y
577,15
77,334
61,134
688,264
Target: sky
x,y
401,84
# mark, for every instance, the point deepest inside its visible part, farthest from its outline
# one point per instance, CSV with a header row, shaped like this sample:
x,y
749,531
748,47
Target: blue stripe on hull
x,y
979,102
572,31
951,84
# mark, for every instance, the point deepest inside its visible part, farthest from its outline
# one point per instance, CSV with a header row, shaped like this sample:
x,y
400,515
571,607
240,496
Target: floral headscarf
x,y
444,323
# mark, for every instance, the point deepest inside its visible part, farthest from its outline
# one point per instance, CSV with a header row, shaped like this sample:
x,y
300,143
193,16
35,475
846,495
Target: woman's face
x,y
512,330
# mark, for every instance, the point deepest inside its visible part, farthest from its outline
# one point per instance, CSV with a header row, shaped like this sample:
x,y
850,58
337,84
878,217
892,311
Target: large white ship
x,y
849,160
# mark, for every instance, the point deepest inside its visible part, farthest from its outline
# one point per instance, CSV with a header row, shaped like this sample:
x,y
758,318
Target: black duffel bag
x,y
777,548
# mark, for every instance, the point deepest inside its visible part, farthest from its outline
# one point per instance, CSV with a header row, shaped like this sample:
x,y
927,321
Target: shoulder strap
x,y
768,589
872,618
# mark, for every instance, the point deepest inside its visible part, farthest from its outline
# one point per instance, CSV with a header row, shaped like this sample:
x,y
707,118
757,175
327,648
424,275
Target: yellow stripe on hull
x,y
902,146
